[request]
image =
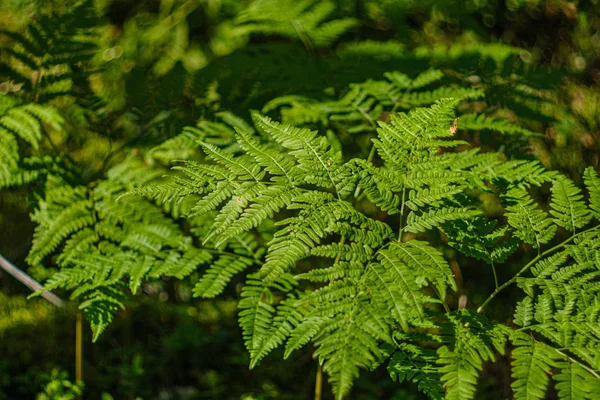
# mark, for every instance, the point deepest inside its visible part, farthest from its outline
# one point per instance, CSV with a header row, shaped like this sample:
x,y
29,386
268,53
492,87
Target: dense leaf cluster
x,y
335,212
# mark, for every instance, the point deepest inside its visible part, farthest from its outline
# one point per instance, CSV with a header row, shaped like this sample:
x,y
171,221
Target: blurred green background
x,y
159,65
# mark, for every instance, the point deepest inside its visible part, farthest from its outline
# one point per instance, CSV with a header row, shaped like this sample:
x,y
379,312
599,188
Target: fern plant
x,y
365,287
349,249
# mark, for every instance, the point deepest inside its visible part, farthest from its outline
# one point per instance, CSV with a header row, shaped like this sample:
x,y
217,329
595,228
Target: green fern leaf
x,y
273,161
481,122
219,274
575,383
567,204
531,363
473,343
530,224
288,317
414,363
302,20
593,186
434,218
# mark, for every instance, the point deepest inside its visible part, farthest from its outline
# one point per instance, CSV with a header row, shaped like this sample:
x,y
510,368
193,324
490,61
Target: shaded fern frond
x,y
531,363
530,224
303,20
48,59
567,204
473,343
592,182
481,122
28,123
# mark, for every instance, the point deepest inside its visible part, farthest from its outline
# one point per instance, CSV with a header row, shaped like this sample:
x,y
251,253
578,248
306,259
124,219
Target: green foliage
x,y
302,20
26,123
60,387
109,245
375,284
531,224
47,61
344,215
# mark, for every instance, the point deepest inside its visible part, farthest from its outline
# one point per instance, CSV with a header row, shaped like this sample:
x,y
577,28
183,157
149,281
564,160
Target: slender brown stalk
x,y
79,347
319,383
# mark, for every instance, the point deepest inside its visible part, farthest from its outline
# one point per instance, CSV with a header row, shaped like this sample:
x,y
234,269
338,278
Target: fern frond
x,y
480,239
567,204
425,78
264,205
257,314
238,166
524,312
26,122
472,345
349,342
420,129
46,57
288,317
99,307
219,274
575,382
317,160
181,265
530,224
592,182
414,363
76,216
302,20
436,217
421,256
531,363
433,196
273,161
342,269
183,146
481,122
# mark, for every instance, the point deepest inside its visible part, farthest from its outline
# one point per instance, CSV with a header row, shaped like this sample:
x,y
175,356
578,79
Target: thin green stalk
x,y
401,215
495,276
582,365
529,265
369,158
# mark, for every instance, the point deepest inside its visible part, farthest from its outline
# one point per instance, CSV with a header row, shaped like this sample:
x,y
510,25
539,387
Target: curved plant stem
x,y
529,265
495,276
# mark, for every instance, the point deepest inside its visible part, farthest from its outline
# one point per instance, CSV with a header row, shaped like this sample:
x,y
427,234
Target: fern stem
x,y
401,215
303,37
79,347
495,276
444,304
582,365
366,116
369,158
529,265
319,383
